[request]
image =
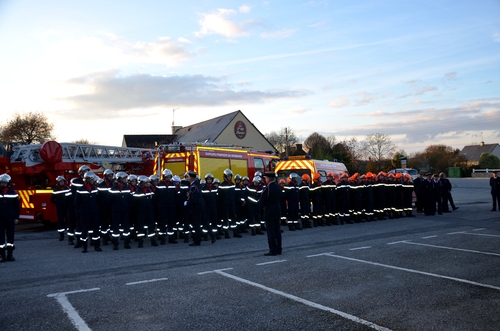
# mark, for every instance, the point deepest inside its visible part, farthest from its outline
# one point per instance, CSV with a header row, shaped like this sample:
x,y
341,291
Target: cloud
x,y
364,98
450,76
115,50
419,87
244,9
220,24
297,110
107,90
339,102
425,124
281,34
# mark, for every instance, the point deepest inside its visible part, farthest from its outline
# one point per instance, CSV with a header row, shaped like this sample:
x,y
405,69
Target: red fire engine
x,y
34,168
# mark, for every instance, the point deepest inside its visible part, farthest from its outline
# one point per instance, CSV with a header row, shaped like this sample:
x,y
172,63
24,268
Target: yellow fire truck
x,y
303,164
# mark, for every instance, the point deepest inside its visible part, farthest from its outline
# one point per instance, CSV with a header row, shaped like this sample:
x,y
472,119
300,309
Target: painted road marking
x,y
414,271
277,261
73,315
358,248
428,237
397,242
212,271
480,229
482,234
458,232
452,248
146,281
304,301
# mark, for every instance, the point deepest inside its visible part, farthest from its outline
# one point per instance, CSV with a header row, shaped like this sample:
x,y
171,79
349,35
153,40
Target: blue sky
x,y
422,72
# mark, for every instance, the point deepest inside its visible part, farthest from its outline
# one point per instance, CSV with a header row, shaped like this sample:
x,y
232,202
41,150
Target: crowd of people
x,y
126,207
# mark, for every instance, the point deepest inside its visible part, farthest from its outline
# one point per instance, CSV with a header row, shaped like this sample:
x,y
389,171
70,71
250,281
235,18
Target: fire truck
x,y
34,169
212,158
304,164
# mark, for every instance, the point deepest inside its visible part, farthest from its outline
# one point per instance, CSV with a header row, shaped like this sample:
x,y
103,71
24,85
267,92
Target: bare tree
x,y
378,146
282,140
318,146
354,150
27,128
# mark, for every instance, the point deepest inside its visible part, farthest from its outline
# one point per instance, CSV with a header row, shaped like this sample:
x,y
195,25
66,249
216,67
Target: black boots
x,y
78,242
2,255
126,244
83,245
70,240
115,244
61,236
236,234
153,241
141,243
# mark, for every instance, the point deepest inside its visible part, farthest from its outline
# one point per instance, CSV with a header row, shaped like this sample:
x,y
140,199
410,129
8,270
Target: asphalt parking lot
x,y
422,273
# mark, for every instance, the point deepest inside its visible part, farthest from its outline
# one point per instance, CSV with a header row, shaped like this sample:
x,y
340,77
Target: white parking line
x,y
480,229
277,261
73,315
452,248
304,301
483,234
358,248
146,281
458,232
414,271
397,242
428,237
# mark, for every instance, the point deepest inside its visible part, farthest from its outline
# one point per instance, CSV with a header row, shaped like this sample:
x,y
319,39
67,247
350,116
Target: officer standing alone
x,y
270,202
9,217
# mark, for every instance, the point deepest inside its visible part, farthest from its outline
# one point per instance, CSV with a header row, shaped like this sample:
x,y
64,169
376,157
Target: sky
x,y
422,72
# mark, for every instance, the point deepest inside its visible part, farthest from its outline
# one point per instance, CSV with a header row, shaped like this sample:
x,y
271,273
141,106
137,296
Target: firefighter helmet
x,y
108,172
203,182
142,180
306,177
99,180
245,178
329,174
89,175
176,179
5,178
228,173
256,179
131,178
316,176
121,175
83,169
282,181
258,173
216,181
209,175
238,176
154,178
167,172
60,179
294,177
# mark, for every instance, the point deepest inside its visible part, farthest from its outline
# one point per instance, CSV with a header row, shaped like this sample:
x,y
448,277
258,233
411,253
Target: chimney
x,y
175,128
481,143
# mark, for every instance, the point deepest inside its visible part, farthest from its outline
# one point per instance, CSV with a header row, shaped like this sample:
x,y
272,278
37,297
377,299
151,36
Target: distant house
x,y
231,129
473,152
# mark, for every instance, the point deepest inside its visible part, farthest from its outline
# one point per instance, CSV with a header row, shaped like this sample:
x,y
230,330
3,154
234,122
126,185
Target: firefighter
x,y
369,200
379,192
195,205
159,229
143,201
87,207
240,204
343,188
227,195
254,191
317,200
178,206
292,200
104,207
166,207
120,201
209,193
75,228
408,195
283,220
9,217
398,198
304,201
61,197
132,186
329,200
184,219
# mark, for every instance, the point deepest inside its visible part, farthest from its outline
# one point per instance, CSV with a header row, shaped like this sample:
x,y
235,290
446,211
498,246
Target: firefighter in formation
x,y
160,210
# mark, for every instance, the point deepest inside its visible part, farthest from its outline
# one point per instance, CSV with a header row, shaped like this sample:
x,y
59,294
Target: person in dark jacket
x,y
270,202
166,207
343,197
438,193
61,197
292,200
104,206
253,194
429,194
227,196
75,219
87,207
120,199
317,200
418,184
195,205
209,193
495,190
143,201
9,216
305,201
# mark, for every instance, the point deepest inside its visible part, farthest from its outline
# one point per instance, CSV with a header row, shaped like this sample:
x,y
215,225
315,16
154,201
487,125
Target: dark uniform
x,y
429,196
209,193
254,192
143,201
196,209
227,196
418,184
9,214
87,208
343,197
240,204
120,200
166,191
104,206
62,198
305,202
292,200
317,201
270,202
495,191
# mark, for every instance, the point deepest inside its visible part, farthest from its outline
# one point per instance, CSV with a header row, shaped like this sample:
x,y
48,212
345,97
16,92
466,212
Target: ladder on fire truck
x,y
84,153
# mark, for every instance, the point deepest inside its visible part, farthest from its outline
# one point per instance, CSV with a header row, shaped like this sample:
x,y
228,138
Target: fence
x,y
483,172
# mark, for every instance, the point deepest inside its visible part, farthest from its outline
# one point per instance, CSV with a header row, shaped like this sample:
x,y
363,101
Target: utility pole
x,y
286,142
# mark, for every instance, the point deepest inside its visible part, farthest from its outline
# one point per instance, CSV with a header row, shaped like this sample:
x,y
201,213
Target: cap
x,y
192,174
428,174
270,174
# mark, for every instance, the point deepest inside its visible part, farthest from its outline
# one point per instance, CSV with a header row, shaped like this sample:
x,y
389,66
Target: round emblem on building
x,y
240,129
